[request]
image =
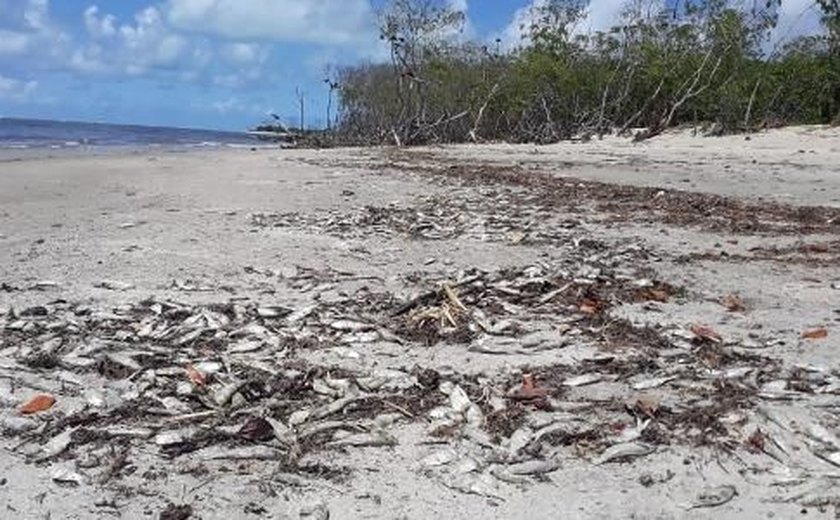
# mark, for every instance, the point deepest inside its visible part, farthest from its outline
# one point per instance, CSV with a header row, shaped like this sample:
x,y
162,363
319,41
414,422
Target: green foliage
x,y
698,63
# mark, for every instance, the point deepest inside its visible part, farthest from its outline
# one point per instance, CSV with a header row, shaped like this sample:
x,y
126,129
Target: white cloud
x,y
602,14
14,42
518,30
26,30
35,13
245,53
233,105
327,22
796,18
150,44
15,89
135,48
99,26
24,14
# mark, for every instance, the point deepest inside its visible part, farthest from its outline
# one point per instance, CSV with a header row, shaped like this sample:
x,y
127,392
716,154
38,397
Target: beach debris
x,y
57,445
245,383
733,303
39,403
815,334
656,382
583,380
706,333
533,467
176,512
714,497
529,390
624,451
316,511
257,429
196,376
113,285
64,474
439,458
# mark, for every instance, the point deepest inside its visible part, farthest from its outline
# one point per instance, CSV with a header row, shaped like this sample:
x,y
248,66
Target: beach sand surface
x,y
677,299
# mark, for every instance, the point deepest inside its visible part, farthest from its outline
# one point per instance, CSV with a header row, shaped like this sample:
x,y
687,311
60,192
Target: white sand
x,y
149,219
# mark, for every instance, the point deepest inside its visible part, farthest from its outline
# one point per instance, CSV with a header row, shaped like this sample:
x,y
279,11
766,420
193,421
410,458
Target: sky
x,y
221,64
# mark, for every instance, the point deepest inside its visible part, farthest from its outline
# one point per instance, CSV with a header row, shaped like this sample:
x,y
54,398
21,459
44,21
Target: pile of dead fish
x,y
486,214
230,381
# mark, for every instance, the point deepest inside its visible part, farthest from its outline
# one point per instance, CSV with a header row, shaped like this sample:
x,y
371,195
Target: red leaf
x,y
706,333
529,389
733,303
590,306
654,295
197,377
814,248
39,403
821,333
757,441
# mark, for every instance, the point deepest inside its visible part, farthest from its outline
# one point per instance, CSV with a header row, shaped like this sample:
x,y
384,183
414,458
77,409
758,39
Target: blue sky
x,y
210,63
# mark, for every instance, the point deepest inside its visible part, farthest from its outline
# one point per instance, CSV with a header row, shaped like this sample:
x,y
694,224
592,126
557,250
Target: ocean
x,y
21,134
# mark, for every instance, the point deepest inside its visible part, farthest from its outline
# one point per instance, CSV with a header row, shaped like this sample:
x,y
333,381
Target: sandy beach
x,y
598,329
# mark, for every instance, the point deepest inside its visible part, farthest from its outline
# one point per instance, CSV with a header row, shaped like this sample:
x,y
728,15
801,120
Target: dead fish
x,y
207,367
466,465
223,396
363,440
173,437
66,475
474,484
246,346
246,453
175,405
43,285
57,445
17,425
714,497
583,380
112,285
273,312
534,467
439,458
124,360
459,401
520,438
624,450
832,457
315,512
650,384
351,326
118,431
731,373
300,314
821,434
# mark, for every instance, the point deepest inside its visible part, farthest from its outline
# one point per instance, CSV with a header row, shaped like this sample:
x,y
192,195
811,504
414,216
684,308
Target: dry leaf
x,y
39,403
733,303
706,333
646,405
821,333
197,377
257,429
654,295
814,248
589,306
757,441
530,389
